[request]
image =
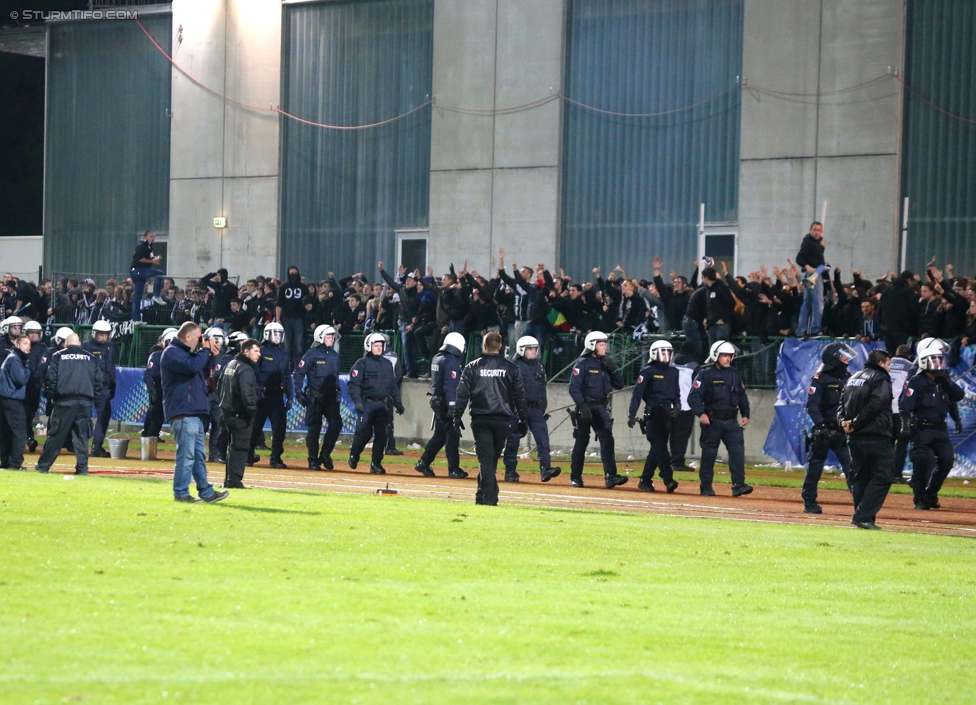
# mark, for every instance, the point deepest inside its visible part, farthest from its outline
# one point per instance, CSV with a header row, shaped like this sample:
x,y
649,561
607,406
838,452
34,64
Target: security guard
x,y
276,393
717,397
822,400
14,377
493,385
58,342
659,388
153,380
445,375
32,399
239,404
372,383
72,383
10,329
104,354
218,432
528,361
317,389
865,416
924,405
594,377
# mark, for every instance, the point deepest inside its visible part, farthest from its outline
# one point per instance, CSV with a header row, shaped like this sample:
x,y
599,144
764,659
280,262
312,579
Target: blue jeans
x,y
190,457
139,276
811,312
409,350
717,333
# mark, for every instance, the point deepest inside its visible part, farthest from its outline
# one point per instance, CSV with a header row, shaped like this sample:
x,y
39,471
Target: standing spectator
x,y
675,296
186,406
930,312
14,377
409,295
899,312
869,325
239,404
290,313
223,292
811,259
143,267
719,307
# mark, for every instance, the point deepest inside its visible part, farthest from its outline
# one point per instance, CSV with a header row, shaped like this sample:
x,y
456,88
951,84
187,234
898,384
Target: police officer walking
x,y
317,389
239,404
32,400
865,416
14,378
372,383
493,386
72,383
153,379
445,375
276,392
658,387
218,432
594,377
924,405
717,397
104,354
822,400
527,359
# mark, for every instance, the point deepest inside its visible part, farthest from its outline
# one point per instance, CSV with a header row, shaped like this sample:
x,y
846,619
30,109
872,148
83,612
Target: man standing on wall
x,y
810,259
144,266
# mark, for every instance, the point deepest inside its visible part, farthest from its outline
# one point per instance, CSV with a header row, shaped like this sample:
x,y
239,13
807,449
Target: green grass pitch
x,y
112,593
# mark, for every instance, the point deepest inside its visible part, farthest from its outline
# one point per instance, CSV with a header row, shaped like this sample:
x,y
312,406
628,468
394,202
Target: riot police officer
x,y
317,389
717,397
372,383
659,388
218,432
593,379
103,353
153,380
865,416
924,405
276,393
527,359
822,400
445,374
32,399
10,329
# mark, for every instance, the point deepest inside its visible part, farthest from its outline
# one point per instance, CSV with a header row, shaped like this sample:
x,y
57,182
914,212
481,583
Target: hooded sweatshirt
x,y
290,296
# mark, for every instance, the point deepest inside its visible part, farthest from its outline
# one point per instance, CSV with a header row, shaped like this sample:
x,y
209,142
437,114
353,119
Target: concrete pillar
x,y
494,179
797,152
224,157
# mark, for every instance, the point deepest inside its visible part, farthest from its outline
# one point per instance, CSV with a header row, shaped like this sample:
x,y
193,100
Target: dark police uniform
x,y
32,398
866,402
14,378
659,388
275,384
104,355
317,382
218,431
493,385
534,382
153,379
73,382
371,383
924,405
238,403
720,394
445,375
590,385
822,400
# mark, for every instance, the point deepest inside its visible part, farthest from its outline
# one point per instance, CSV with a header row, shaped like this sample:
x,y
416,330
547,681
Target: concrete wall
x,y
224,157
21,255
799,151
495,178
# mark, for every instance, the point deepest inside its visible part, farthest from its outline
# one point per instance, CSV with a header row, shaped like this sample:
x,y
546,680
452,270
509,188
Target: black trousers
x,y
836,441
658,432
373,422
681,430
69,418
446,437
32,402
600,422
103,414
319,406
536,421
238,449
490,435
218,432
932,460
154,420
730,433
390,430
271,408
13,433
872,468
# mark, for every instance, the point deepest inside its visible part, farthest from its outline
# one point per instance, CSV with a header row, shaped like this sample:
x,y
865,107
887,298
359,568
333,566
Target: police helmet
x,y
168,337
455,341
375,338
318,336
274,333
33,327
164,334
837,355
931,354
592,338
235,340
722,347
526,341
61,335
12,322
102,326
218,333
661,351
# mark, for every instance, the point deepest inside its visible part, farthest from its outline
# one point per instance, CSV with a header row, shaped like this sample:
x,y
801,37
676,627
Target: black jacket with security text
x,y
72,374
493,385
866,402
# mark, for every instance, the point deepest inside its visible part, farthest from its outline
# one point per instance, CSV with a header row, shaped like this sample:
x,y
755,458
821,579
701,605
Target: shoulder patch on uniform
x,y
640,378
910,391
148,365
575,370
354,373
453,374
812,390
697,384
301,363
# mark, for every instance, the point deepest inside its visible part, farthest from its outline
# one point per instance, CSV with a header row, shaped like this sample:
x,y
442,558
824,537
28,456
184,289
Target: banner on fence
x,y
798,362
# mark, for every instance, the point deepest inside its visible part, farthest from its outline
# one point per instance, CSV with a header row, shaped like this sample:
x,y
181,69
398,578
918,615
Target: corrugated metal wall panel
x,y
344,192
939,172
632,186
107,154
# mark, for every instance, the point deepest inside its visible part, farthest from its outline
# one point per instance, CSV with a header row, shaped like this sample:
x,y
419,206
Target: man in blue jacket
x,y
14,376
186,405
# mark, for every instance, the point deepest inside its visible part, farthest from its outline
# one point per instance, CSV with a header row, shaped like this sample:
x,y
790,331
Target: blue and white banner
x,y
798,362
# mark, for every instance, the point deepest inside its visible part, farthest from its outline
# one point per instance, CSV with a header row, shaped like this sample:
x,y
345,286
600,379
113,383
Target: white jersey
x,y
901,371
686,374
